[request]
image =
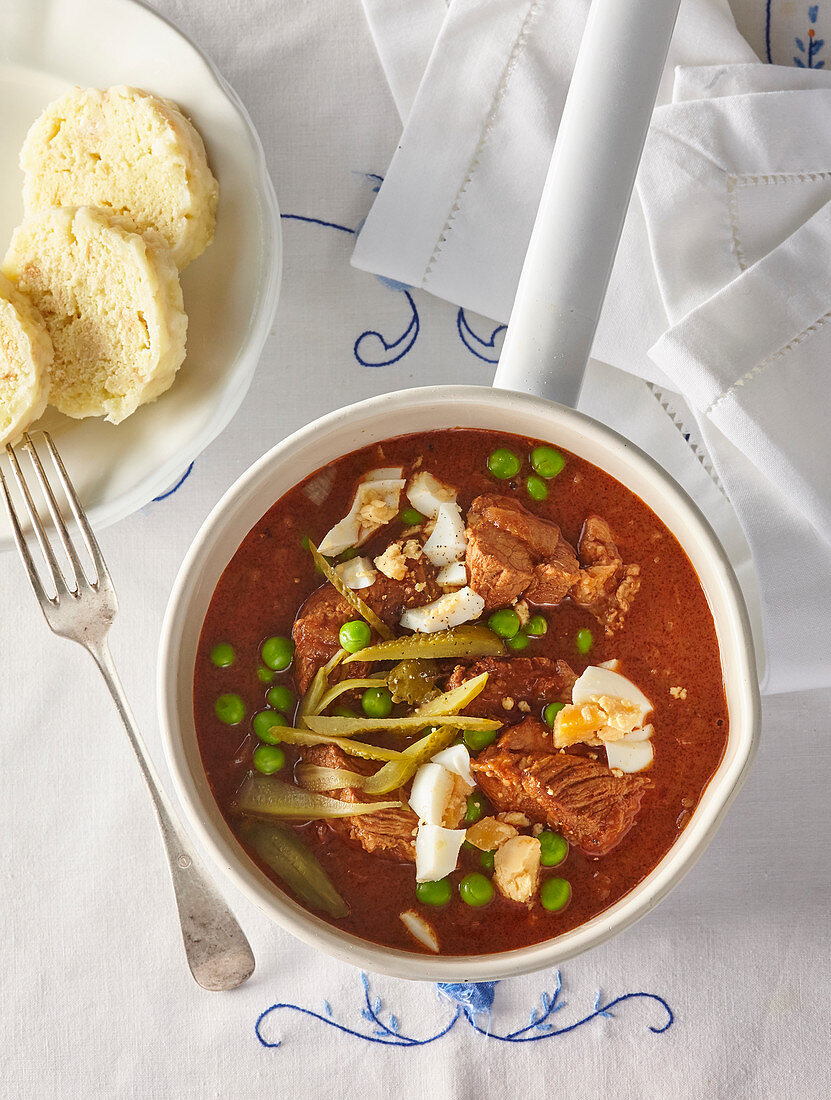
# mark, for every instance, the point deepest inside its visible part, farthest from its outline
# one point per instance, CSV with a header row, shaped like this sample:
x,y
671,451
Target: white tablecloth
x,y
97,1001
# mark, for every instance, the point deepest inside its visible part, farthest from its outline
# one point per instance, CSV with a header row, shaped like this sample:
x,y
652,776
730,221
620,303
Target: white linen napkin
x,y
738,207
732,169
455,211
404,33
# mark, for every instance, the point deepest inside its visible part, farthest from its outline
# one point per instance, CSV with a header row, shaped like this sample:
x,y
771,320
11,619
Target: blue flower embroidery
x,y
809,52
473,1004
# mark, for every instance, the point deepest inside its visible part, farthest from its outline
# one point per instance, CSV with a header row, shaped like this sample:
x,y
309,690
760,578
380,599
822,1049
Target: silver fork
x,y
82,609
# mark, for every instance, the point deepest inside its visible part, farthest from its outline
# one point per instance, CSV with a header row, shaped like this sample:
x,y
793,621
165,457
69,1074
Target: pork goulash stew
x,y
459,692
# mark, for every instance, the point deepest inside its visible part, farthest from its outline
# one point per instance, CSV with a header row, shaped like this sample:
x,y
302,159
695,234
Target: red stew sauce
x,y
668,641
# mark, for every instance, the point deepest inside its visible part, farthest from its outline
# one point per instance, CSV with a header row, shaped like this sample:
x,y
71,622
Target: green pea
x,y
280,697
555,894
505,623
434,893
344,712
476,889
354,635
536,488
584,641
230,709
547,462
265,723
504,464
265,675
349,553
518,642
486,859
536,625
474,807
411,517
223,655
479,739
269,759
550,713
278,653
304,542
377,702
553,848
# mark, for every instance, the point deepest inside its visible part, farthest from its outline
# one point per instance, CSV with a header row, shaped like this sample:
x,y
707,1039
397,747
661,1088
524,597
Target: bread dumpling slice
x,y
112,305
127,151
25,359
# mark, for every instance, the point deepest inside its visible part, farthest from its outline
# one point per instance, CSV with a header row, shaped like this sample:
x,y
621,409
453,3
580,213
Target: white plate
x,y
230,291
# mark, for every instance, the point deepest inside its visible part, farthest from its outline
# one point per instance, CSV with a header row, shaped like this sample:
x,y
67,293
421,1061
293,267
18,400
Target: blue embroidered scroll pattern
x,y
478,345
473,1004
808,51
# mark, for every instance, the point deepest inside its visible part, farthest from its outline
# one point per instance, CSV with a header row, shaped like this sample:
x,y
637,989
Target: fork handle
x,y
218,954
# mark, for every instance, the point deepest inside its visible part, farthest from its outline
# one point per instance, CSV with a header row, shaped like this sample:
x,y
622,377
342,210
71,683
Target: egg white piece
x,y
437,851
454,574
447,542
596,682
353,529
451,609
642,734
420,928
357,573
426,493
629,756
456,759
431,792
388,473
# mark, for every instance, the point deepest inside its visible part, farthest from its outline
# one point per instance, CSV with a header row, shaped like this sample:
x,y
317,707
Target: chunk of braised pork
x,y
515,686
511,551
388,832
605,586
406,578
316,629
592,807
315,633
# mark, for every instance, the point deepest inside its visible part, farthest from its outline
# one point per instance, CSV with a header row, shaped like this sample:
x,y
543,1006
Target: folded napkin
x,y
404,33
729,209
737,203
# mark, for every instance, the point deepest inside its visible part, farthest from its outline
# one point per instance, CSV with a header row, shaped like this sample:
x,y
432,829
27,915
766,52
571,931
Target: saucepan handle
x,y
585,198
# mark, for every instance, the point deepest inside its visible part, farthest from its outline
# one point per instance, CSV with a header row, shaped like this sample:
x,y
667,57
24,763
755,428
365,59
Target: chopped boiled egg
x,y
388,473
453,575
489,832
516,868
438,792
631,753
375,505
606,706
431,793
447,543
356,573
420,928
457,760
426,493
597,681
437,851
451,609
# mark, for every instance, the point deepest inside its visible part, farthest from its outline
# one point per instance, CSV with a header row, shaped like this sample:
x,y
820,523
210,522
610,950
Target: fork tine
x,y
37,525
55,511
22,546
78,512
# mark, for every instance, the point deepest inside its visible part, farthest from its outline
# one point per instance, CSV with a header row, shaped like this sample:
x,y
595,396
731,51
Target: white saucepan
x,y
546,348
